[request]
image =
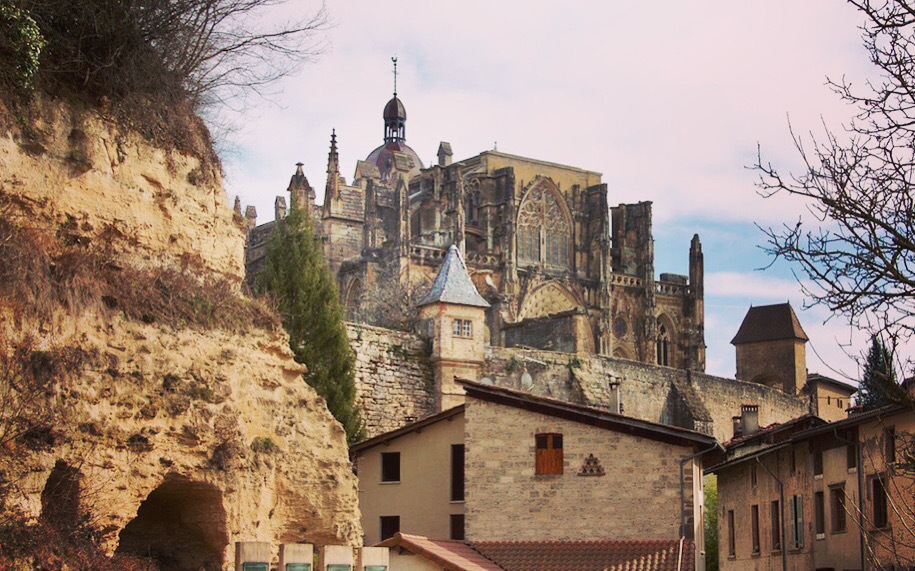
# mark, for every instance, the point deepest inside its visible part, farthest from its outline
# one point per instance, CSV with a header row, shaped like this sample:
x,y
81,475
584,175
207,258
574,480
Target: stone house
x,y
808,494
507,465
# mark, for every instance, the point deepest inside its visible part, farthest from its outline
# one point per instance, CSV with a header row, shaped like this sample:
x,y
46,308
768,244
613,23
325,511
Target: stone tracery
x,y
543,228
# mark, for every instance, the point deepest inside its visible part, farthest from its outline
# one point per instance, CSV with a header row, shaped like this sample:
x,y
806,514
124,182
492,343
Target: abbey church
x,y
560,270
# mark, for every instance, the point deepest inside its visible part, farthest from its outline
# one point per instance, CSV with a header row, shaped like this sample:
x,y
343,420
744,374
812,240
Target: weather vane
x,y
394,59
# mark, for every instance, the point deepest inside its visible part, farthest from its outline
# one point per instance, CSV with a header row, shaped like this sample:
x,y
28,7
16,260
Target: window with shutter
x,y
548,453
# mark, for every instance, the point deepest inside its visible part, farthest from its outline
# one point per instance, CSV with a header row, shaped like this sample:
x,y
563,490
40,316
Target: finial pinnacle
x,y
394,59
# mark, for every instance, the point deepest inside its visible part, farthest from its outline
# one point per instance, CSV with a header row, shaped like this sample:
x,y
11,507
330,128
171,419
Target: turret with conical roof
x,y
454,312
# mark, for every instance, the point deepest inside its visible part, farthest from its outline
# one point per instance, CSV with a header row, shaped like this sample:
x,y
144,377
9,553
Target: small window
x,y
457,526
732,540
851,456
549,453
754,523
390,466
776,518
878,498
462,328
390,524
457,473
837,503
793,460
753,478
818,463
828,400
839,401
890,443
819,512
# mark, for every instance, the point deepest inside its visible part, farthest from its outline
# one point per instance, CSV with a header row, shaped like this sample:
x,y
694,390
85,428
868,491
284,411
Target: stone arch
x,y
665,345
551,297
181,525
352,298
621,353
544,226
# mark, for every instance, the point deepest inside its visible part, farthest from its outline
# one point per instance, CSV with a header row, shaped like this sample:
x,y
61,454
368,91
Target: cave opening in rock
x,y
181,525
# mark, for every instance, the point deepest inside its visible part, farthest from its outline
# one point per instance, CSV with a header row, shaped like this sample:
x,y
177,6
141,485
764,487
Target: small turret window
x,y
462,328
663,346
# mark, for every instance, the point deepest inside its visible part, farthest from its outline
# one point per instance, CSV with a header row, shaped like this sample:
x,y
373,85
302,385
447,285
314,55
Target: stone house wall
x,y
507,501
394,381
649,392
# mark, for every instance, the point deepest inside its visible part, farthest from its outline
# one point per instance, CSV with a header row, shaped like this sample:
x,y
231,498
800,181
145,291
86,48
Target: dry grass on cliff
x,y
40,276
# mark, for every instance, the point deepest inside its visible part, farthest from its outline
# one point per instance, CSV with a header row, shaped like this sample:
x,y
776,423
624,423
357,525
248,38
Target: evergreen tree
x,y
295,275
878,385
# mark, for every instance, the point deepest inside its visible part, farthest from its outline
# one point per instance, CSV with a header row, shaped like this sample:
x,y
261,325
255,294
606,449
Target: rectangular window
x,y
753,478
878,498
837,503
818,463
796,505
457,473
732,541
819,513
390,524
462,328
793,461
775,515
890,443
548,454
457,526
754,523
390,466
851,456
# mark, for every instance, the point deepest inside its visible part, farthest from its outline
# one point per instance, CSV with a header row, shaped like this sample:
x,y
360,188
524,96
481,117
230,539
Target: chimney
x,y
736,420
615,397
251,216
279,208
749,418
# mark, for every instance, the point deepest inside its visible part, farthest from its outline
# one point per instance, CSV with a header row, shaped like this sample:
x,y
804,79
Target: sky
x,y
669,100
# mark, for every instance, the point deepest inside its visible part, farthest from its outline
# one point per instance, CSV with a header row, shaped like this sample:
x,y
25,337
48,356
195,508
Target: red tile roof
x,y
449,554
644,555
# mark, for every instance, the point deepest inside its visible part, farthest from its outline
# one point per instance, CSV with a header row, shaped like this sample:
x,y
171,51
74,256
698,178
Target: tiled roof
x,y
453,285
769,323
816,377
415,426
770,429
586,415
638,555
447,553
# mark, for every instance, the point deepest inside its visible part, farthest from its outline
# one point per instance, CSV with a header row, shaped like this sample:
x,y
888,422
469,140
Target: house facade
x,y
808,494
528,463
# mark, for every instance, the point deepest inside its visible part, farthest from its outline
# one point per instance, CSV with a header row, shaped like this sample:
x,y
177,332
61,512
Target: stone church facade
x,y
559,268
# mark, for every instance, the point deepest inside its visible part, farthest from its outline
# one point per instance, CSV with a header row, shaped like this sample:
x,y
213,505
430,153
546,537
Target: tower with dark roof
x,y
770,347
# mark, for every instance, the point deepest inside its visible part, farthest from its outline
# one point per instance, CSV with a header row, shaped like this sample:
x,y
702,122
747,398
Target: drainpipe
x,y
860,474
683,484
680,555
781,495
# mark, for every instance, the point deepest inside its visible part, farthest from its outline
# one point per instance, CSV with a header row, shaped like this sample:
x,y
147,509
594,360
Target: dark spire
x,y
395,116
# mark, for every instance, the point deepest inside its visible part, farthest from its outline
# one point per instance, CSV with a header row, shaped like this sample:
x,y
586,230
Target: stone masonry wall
x,y
507,501
394,380
657,394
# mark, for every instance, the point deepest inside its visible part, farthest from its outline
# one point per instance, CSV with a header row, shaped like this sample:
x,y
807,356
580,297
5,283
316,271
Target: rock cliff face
x,y
154,411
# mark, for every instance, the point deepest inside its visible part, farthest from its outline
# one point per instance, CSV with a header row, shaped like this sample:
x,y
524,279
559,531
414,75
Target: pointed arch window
x,y
663,346
543,229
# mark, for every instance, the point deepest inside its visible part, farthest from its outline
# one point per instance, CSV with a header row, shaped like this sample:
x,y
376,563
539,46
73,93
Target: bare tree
x,y
208,50
859,252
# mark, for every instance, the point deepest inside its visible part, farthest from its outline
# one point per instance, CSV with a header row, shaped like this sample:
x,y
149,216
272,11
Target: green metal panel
x,y
298,567
255,567
376,568
339,568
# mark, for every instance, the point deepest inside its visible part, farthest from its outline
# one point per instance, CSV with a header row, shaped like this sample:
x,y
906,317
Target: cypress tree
x,y
878,385
296,276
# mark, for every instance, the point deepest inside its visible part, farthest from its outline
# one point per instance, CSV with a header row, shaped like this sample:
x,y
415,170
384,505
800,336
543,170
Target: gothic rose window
x,y
543,230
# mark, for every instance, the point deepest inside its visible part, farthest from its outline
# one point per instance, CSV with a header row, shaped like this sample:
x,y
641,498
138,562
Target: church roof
x,y
769,323
395,109
452,284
